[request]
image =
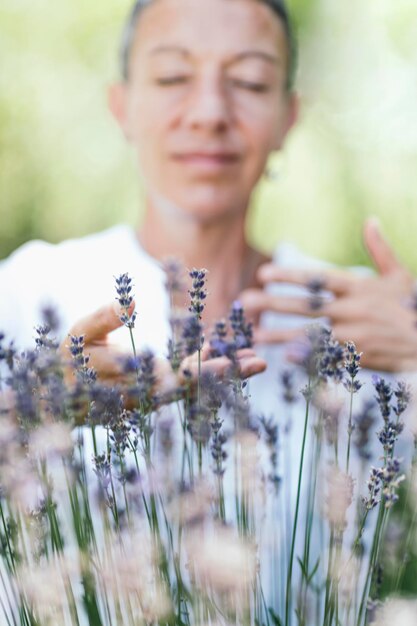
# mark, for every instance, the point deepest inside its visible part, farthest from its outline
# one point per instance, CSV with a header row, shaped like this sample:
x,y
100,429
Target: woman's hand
x,y
247,362
376,312
107,360
104,358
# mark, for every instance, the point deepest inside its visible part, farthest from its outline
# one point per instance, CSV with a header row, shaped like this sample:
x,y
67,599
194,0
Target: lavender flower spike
x,y
125,299
192,335
219,345
352,367
198,292
403,396
242,331
392,478
80,361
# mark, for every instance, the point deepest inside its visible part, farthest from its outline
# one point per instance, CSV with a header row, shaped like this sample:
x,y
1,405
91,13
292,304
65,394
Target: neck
x,y
219,246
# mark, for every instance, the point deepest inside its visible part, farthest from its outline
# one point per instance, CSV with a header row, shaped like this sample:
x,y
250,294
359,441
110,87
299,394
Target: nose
x,y
208,105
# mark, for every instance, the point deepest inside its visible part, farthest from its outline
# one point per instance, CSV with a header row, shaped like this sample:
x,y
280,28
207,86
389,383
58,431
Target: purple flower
x,y
332,361
287,381
389,435
198,292
103,471
364,421
218,442
43,340
143,389
174,271
352,367
315,287
242,331
106,404
374,488
141,426
146,378
392,478
324,358
7,353
50,318
85,374
119,431
214,391
24,383
403,395
192,334
219,344
384,395
198,422
125,299
272,441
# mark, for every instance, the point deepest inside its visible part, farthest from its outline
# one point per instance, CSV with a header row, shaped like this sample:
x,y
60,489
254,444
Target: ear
x,y
117,103
292,111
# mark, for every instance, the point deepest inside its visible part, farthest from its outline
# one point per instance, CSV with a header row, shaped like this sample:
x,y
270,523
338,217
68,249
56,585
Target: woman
x,y
206,96
202,114
203,105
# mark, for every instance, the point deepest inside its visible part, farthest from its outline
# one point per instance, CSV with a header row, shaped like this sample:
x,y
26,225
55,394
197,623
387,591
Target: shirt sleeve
x,y
22,279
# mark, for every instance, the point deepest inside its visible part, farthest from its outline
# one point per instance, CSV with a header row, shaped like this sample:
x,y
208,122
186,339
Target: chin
x,y
208,204
202,203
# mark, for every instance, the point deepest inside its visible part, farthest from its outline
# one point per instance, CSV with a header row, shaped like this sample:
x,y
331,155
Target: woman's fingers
x,y
277,335
99,324
247,361
256,301
379,250
367,304
336,281
105,359
251,365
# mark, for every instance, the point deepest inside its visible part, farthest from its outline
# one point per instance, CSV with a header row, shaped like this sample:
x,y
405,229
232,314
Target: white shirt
x,y
77,277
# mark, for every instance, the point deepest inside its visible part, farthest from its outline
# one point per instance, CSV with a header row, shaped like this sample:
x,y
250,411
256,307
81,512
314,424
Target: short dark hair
x,y
278,7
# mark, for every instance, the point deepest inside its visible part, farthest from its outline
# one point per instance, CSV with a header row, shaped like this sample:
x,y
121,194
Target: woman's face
x,y
206,101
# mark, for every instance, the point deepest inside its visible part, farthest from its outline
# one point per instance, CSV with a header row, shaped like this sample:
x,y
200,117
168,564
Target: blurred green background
x,y
65,170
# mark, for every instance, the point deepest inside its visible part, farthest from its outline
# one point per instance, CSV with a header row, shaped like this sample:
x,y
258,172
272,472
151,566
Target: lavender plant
x,y
179,508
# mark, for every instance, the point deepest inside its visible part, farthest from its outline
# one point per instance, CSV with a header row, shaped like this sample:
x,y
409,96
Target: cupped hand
x,y
107,360
376,312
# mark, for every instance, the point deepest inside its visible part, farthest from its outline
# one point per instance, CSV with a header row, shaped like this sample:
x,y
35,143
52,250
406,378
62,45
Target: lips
x,y
207,160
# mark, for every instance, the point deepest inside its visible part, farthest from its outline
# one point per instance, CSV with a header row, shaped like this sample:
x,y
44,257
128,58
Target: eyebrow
x,y
164,48
257,54
241,56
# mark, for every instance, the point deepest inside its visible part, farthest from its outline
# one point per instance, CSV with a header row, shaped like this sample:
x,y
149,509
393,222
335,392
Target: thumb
x,y
378,248
99,324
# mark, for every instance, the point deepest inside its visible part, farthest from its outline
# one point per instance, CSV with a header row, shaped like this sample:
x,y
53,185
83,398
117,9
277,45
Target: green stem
x,y
315,459
297,507
412,527
371,565
327,600
350,430
132,341
11,564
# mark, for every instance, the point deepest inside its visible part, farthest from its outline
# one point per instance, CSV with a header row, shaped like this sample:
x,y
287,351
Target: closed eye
x,y
250,86
171,80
